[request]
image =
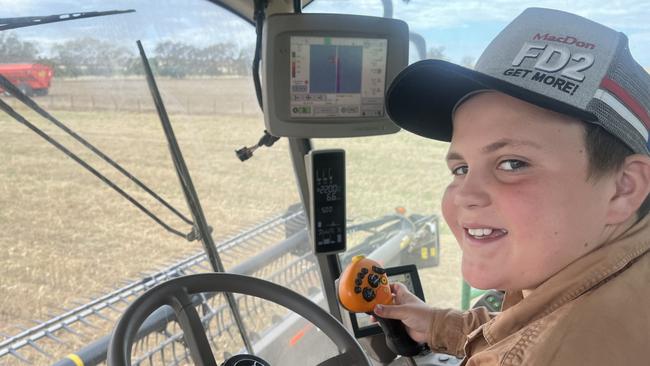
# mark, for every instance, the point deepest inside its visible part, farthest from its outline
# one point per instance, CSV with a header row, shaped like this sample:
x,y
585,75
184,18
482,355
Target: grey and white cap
x,y
553,59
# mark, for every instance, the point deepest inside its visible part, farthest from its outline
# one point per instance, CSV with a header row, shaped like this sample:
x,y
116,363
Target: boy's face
x,y
520,204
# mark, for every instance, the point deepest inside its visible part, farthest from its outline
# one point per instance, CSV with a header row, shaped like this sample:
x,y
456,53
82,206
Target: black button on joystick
x,y
358,281
368,294
364,270
373,280
378,270
357,289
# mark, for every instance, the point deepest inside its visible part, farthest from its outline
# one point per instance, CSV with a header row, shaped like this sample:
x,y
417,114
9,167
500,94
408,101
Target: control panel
x,y
325,75
326,175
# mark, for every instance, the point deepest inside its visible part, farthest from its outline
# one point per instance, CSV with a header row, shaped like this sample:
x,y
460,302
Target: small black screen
x,y
328,192
407,275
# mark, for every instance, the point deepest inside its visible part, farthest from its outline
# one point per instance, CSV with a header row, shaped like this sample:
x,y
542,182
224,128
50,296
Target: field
x,y
67,237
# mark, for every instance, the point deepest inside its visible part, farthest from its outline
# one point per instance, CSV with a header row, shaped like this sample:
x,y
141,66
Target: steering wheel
x,y
177,294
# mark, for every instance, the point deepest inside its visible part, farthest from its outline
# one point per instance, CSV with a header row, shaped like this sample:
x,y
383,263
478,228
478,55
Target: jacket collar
x,y
569,283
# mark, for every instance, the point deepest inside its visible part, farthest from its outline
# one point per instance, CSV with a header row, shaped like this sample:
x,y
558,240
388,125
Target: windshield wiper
x,y
191,196
20,22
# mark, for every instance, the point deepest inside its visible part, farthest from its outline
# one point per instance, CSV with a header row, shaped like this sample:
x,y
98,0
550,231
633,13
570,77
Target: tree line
x,y
92,57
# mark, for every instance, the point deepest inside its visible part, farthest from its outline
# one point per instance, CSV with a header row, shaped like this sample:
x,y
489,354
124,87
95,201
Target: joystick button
x,y
373,280
378,270
361,275
368,294
358,281
357,289
364,270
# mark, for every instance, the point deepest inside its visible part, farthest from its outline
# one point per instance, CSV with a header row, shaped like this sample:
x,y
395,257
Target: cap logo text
x,y
554,58
570,40
554,65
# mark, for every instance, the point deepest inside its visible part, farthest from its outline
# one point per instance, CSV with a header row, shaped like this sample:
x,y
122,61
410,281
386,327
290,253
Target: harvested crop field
x,y
68,237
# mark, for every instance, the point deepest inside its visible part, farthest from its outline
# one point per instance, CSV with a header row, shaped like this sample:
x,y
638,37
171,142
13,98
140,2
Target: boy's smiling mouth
x,y
484,233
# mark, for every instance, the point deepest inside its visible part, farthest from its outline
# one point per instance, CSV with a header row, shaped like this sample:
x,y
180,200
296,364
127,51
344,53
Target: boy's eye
x,y
512,165
460,170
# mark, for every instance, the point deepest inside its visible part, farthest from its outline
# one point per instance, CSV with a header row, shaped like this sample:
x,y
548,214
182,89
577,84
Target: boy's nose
x,y
472,192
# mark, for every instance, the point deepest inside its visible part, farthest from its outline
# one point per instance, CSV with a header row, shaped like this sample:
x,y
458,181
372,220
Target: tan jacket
x,y
594,312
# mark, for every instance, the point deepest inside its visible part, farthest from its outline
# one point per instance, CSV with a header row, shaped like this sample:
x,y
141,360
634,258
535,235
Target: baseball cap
x,y
550,58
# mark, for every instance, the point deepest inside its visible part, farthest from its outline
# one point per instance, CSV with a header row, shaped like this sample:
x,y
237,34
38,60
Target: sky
x,y
462,28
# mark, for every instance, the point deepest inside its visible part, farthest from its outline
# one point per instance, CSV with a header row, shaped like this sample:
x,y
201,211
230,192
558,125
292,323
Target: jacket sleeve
x,y
450,328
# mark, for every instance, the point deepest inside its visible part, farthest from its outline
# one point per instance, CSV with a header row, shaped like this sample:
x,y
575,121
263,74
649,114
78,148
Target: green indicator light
x,y
328,40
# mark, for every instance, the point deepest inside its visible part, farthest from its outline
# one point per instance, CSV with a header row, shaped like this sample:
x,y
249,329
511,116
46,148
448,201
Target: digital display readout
x,y
328,185
337,77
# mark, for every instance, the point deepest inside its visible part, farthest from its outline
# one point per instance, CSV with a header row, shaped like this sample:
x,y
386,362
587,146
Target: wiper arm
x,y
20,22
191,196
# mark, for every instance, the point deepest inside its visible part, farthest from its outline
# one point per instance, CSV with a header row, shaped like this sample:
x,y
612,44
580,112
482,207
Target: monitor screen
x,y
325,75
337,77
363,319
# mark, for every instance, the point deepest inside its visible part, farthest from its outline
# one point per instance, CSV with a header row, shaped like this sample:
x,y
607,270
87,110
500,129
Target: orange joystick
x,y
363,285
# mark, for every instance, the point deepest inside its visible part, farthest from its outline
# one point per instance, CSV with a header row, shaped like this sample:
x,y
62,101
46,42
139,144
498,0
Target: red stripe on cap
x,y
625,97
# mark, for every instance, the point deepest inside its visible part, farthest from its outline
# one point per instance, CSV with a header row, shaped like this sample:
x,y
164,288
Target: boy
x,y
549,199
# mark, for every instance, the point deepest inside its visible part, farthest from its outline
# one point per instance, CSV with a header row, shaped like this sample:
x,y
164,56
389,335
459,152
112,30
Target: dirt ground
x,y
68,237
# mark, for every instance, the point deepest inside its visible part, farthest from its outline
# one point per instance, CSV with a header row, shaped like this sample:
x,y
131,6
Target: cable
x,y
259,16
267,139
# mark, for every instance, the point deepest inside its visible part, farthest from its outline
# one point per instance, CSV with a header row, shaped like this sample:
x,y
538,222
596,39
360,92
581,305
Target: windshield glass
x,y
78,246
71,242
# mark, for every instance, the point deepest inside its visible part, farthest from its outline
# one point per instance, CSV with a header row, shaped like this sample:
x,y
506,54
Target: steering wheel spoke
x,y
193,329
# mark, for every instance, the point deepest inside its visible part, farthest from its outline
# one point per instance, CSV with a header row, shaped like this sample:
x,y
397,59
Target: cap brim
x,y
422,97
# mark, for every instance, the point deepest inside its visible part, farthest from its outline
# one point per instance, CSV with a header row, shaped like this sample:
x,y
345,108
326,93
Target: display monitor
x,y
362,325
337,77
325,75
326,169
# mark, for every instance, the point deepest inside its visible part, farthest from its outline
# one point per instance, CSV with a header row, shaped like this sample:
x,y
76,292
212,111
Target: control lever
x,y
397,339
363,285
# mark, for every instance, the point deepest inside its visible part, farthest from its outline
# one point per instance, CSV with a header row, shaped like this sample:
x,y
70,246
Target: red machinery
x,y
31,79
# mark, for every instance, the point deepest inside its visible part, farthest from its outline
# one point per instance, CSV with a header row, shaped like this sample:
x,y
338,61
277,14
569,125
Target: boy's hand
x,y
413,312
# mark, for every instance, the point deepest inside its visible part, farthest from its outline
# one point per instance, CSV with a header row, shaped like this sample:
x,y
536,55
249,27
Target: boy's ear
x,y
632,188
